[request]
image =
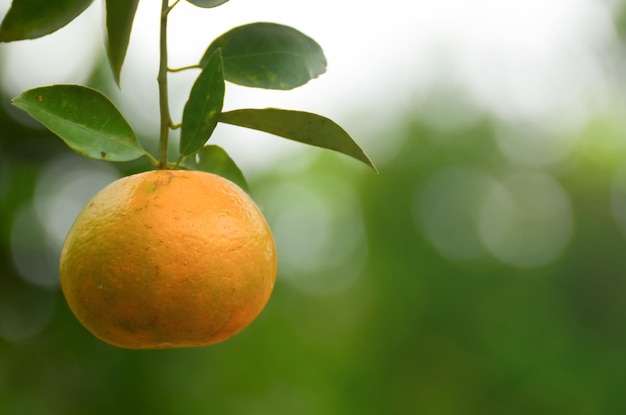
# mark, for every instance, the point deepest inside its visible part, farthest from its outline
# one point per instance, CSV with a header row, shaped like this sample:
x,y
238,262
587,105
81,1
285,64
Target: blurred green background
x,y
483,271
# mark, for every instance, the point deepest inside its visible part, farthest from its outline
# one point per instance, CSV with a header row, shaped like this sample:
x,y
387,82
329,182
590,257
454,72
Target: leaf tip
x,y
371,165
118,82
363,158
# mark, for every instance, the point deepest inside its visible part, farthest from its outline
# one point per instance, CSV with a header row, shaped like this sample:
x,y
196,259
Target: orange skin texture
x,y
168,258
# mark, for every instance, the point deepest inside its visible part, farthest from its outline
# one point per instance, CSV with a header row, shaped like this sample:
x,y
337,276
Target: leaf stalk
x,y
184,68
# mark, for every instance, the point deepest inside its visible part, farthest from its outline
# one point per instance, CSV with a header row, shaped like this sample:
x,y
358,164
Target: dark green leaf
x,y
30,19
119,22
202,110
85,119
303,127
214,159
207,4
268,55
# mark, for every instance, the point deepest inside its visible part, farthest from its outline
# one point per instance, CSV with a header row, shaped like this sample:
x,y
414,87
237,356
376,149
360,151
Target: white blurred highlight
x,y
526,61
319,232
446,209
64,187
526,220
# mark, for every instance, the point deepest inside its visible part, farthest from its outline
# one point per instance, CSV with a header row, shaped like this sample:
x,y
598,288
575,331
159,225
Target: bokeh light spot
x,y
527,220
319,232
64,187
32,254
532,144
446,210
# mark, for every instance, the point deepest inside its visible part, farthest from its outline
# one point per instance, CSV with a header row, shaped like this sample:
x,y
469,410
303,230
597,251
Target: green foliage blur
x,y
474,275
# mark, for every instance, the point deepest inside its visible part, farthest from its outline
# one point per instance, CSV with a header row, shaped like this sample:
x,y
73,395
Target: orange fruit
x,y
168,258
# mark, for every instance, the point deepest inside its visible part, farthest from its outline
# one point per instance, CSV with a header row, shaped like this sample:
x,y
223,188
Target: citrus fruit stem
x,y
166,119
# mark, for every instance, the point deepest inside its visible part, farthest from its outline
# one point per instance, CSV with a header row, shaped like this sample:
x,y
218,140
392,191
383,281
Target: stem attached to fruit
x,y
166,119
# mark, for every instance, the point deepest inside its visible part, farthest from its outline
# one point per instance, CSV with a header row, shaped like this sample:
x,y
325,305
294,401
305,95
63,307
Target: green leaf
x,y
119,23
207,4
268,55
85,119
214,159
30,19
303,127
202,109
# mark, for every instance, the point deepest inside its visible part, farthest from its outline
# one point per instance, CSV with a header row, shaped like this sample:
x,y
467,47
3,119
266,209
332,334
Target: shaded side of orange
x,y
168,259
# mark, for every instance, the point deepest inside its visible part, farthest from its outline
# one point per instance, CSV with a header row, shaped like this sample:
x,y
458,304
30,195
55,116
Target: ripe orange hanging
x,y
168,258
